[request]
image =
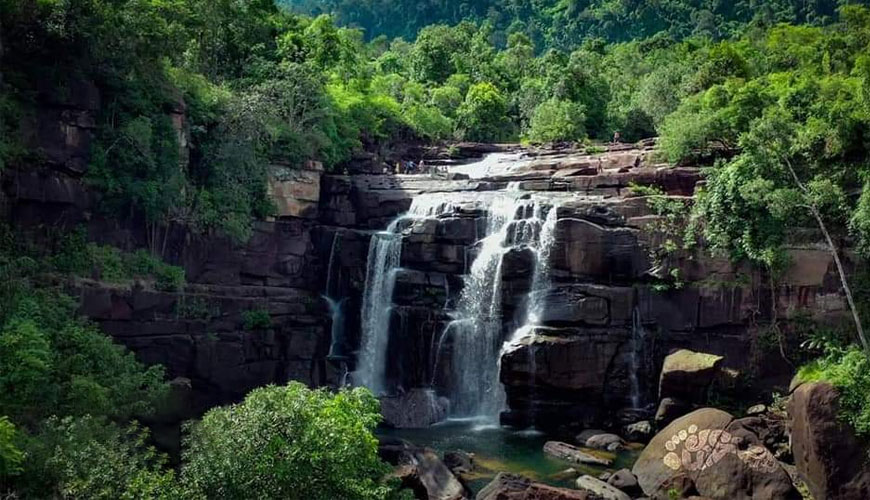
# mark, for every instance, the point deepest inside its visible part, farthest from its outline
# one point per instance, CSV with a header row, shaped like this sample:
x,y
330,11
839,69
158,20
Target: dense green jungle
x,y
492,249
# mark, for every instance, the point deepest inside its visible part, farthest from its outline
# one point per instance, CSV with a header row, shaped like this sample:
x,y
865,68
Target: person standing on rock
x,y
617,138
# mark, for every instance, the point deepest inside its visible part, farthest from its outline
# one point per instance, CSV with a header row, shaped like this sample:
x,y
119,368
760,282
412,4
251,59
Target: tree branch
x,y
818,216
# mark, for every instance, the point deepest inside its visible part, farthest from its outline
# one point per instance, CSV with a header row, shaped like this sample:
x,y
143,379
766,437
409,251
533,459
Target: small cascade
x,y
336,313
384,257
335,304
638,349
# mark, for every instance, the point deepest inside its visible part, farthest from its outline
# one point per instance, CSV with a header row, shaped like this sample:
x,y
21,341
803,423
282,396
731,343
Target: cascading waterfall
x,y
638,342
541,246
385,252
476,330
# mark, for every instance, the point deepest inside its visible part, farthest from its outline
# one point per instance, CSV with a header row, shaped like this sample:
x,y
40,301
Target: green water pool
x,y
502,449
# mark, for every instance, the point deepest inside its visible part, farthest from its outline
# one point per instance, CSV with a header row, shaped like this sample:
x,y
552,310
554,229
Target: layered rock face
x,y
573,299
603,323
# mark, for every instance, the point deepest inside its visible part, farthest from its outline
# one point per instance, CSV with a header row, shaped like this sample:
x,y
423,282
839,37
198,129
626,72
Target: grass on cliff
x,y
847,369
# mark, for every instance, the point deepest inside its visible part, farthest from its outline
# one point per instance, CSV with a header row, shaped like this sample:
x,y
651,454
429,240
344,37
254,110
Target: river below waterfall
x,y
503,449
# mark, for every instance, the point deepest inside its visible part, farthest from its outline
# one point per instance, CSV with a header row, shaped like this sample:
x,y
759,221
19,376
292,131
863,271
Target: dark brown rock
x,y
722,461
514,487
669,410
829,458
687,375
414,409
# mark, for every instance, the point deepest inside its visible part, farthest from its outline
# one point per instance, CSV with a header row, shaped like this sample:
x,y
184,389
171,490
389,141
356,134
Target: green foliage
x,y
88,260
88,457
256,319
54,363
554,120
672,231
849,371
11,457
483,114
287,442
569,24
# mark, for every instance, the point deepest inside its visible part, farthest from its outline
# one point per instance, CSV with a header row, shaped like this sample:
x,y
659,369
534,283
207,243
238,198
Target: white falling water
x,y
385,252
638,339
336,306
541,246
476,330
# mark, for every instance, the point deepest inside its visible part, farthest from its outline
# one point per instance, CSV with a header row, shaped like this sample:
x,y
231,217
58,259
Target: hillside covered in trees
x,y
772,98
565,24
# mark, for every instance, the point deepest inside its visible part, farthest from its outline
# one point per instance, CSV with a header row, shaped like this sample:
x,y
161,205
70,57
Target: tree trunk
x,y
833,248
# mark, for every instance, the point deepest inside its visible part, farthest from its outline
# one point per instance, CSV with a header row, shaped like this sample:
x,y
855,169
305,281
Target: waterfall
x,y
476,330
336,305
333,254
541,245
384,257
638,340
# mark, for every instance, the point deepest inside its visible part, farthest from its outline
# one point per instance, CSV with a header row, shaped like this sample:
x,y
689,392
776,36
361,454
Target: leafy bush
x,y
287,442
11,457
849,371
555,120
483,115
89,457
256,319
88,260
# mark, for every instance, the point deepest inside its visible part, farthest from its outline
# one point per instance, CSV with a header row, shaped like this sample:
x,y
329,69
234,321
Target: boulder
x,y
625,481
422,471
514,487
600,489
568,453
640,432
600,440
669,410
414,409
828,456
723,461
687,375
459,462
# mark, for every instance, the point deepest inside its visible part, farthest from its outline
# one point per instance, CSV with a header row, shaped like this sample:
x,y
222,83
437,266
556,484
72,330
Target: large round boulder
x,y
721,459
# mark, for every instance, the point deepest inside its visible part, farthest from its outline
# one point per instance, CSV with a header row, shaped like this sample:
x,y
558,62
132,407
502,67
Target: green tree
x,y
11,457
483,115
287,442
555,120
88,457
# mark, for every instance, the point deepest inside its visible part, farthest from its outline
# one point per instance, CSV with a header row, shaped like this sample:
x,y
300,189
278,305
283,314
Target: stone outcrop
x,y
421,471
721,458
600,489
513,487
687,375
829,458
574,455
600,440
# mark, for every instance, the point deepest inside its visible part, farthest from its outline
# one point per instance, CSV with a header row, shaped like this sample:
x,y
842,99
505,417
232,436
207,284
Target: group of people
x,y
409,167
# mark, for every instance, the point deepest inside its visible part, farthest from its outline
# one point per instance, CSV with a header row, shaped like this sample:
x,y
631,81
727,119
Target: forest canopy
x,y
771,97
